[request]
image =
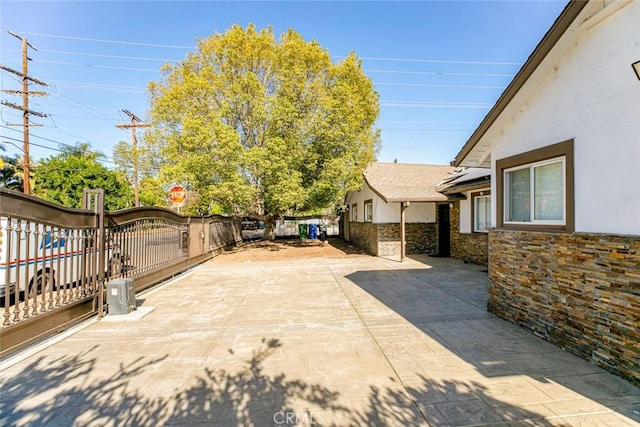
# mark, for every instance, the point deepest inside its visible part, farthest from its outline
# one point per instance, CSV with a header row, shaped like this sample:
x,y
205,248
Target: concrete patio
x,y
352,341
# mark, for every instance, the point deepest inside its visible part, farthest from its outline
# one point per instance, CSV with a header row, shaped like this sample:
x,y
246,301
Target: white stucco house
x,y
396,208
563,146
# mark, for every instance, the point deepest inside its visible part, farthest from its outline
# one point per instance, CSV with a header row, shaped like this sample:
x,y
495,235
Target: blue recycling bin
x,y
313,231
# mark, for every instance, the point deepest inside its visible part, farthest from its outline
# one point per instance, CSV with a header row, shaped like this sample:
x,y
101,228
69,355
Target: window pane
x,y
487,212
479,211
548,192
482,213
519,195
368,211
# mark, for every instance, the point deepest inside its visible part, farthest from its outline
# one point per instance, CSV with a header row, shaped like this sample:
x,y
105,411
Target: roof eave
x,y
379,194
416,199
559,27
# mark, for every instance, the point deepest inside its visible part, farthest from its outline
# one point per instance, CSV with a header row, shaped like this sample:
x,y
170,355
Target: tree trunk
x,y
269,228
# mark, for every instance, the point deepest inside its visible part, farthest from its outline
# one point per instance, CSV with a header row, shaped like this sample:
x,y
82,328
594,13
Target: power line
x,y
76,104
109,67
168,46
425,122
100,155
425,130
32,143
435,73
369,58
435,104
100,55
436,85
138,90
99,86
152,70
87,108
98,110
436,61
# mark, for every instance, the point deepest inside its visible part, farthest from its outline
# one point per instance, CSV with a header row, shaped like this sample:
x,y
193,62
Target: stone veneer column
x,y
468,247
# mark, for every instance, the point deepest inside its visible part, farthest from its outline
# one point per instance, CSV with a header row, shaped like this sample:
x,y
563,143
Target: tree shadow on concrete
x,y
444,403
250,397
57,391
70,391
447,302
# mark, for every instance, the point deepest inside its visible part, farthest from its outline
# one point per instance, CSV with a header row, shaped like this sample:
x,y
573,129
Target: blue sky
x,y
438,65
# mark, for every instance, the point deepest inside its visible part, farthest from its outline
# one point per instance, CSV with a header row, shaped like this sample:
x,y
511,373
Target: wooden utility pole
x,y
26,179
135,123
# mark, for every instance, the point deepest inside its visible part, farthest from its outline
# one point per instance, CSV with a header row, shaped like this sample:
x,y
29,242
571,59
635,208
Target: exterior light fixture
x,y
636,68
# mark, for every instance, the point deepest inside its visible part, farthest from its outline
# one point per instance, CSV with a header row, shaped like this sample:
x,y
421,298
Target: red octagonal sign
x,y
177,195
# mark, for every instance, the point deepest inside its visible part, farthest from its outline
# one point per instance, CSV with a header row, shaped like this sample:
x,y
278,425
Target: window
x,y
535,189
368,210
354,212
481,211
541,186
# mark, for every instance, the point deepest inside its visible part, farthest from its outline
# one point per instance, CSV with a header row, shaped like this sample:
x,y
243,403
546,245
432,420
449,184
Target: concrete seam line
x,y
375,340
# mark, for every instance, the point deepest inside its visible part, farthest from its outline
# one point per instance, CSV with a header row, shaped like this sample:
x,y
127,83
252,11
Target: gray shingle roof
x,y
401,182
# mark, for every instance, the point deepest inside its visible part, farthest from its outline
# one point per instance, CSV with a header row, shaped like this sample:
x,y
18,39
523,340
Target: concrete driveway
x,y
351,341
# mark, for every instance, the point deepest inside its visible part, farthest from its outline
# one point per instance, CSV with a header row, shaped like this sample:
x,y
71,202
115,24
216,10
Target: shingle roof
x,y
401,182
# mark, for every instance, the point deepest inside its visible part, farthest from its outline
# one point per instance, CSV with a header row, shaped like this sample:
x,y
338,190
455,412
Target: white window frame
x,y
368,211
531,167
353,215
475,213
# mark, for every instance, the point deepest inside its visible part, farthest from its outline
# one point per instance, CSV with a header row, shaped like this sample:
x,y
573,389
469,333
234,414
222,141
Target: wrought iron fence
x,y
54,261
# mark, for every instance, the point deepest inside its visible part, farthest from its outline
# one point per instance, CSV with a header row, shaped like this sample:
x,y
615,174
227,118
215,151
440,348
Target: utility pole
x,y
136,122
26,180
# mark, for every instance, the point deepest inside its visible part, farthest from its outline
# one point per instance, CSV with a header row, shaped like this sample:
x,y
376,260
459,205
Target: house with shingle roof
x,y
396,211
563,146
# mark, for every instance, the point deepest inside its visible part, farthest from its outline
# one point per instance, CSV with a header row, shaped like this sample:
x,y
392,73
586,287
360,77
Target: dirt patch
x,y
290,249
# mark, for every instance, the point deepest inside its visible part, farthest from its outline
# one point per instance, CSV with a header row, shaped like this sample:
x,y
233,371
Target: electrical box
x,y
121,296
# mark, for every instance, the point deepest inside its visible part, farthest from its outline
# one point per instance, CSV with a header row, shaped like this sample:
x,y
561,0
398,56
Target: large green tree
x,y
62,178
265,125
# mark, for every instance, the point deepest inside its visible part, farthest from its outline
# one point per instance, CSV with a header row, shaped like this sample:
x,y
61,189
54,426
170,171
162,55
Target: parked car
x,y
249,224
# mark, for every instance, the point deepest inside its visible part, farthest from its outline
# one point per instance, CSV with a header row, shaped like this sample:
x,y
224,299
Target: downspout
x,y
403,207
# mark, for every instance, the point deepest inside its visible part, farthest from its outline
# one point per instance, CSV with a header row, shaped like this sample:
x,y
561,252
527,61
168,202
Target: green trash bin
x,y
303,231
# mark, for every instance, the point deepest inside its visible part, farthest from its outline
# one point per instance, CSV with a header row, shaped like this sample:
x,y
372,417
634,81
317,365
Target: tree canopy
x,y
264,126
11,173
62,178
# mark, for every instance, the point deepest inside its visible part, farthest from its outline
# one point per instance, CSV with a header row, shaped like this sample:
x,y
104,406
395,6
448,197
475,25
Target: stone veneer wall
x,y
421,238
468,247
388,239
364,235
579,291
384,239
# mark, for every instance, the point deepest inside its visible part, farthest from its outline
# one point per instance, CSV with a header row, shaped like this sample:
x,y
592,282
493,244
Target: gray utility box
x,y
121,296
